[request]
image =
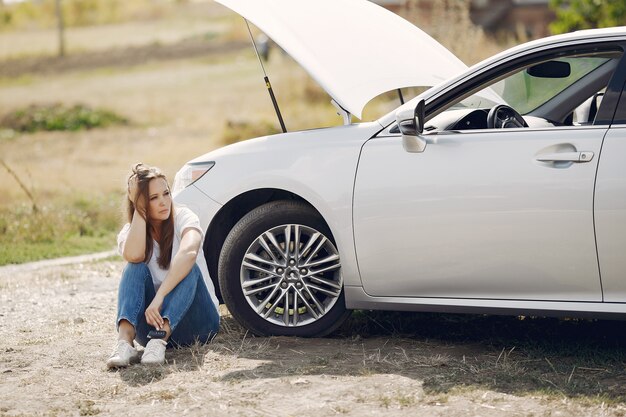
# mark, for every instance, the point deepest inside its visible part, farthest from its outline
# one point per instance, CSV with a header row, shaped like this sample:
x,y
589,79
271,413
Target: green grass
x,y
82,225
68,246
51,117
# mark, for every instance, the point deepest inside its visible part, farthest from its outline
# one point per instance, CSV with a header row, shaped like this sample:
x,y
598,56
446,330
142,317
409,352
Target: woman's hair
x,y
144,175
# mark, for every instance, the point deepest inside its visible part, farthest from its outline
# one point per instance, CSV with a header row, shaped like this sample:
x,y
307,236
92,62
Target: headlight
x,y
189,174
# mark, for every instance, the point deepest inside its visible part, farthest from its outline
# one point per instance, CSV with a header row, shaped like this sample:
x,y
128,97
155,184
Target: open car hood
x,y
355,49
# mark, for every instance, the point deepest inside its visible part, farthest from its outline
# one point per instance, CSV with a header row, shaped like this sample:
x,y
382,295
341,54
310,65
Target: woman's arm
x,y
181,264
135,245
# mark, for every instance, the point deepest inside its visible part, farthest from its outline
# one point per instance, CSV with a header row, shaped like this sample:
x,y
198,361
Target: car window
x,y
551,83
525,92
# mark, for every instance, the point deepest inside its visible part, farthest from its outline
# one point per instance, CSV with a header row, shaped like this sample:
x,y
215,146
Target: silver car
x,y
500,190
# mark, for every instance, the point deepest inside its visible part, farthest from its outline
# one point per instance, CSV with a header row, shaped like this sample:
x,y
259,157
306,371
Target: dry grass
x,y
450,24
452,354
180,109
139,23
573,358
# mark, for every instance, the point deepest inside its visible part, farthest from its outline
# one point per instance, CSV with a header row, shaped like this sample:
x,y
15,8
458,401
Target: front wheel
x,y
280,273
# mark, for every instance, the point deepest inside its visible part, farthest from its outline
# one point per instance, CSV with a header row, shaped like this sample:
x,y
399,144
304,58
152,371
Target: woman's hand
x,y
133,193
153,313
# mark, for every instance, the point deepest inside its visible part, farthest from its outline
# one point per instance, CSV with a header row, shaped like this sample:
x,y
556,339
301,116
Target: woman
x,y
165,286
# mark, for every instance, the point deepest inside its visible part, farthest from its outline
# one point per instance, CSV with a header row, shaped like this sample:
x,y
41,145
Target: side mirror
x,y
411,125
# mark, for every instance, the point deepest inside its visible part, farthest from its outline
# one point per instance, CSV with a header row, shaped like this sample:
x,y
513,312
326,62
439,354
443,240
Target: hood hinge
x,y
347,117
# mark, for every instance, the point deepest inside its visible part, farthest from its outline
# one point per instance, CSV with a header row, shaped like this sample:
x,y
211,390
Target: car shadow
x,y
513,355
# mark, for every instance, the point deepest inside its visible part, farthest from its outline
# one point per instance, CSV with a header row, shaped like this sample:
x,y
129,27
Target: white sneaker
x,y
123,355
154,353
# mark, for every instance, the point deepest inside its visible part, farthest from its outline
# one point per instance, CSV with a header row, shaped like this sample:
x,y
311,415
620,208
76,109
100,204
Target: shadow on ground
x,y
515,355
186,359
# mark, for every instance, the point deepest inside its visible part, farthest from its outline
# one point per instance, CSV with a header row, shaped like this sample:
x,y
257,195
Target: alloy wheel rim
x,y
291,275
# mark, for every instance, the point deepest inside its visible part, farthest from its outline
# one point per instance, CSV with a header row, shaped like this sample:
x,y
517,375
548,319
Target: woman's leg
x,y
135,290
190,311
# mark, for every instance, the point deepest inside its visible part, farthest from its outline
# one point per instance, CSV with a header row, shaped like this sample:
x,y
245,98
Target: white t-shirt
x,y
184,218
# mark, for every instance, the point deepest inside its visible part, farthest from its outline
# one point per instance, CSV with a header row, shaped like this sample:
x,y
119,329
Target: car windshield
x,y
525,92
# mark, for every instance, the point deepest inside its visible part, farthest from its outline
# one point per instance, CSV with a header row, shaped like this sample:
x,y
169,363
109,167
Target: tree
x,y
587,14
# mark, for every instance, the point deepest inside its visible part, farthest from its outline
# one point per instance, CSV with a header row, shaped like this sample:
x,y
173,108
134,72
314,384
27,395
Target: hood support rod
x,y
400,96
267,81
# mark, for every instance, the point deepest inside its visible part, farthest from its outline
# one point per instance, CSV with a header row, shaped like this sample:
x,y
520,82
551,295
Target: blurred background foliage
x,y
163,81
29,14
41,14
58,116
587,14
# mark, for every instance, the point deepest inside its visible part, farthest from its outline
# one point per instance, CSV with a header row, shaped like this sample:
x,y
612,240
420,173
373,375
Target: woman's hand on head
x,y
134,197
153,313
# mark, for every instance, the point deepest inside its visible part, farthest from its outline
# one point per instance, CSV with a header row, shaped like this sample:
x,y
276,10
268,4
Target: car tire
x,y
274,288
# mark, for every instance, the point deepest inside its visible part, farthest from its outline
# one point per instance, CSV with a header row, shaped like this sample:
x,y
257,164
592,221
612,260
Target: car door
x,y
610,207
487,213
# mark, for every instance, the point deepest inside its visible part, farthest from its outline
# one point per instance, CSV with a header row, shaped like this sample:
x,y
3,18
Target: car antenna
x,y
267,81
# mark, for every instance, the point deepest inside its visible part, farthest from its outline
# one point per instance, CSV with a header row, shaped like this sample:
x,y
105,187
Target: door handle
x,y
584,156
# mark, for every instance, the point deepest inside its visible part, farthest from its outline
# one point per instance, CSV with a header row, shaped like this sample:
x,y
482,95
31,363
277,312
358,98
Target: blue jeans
x,y
188,307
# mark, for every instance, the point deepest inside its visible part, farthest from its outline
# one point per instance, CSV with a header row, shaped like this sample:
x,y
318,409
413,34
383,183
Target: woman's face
x,y
159,200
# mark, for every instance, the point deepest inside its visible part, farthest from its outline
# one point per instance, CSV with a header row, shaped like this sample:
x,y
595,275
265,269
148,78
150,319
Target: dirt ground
x,y
57,330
